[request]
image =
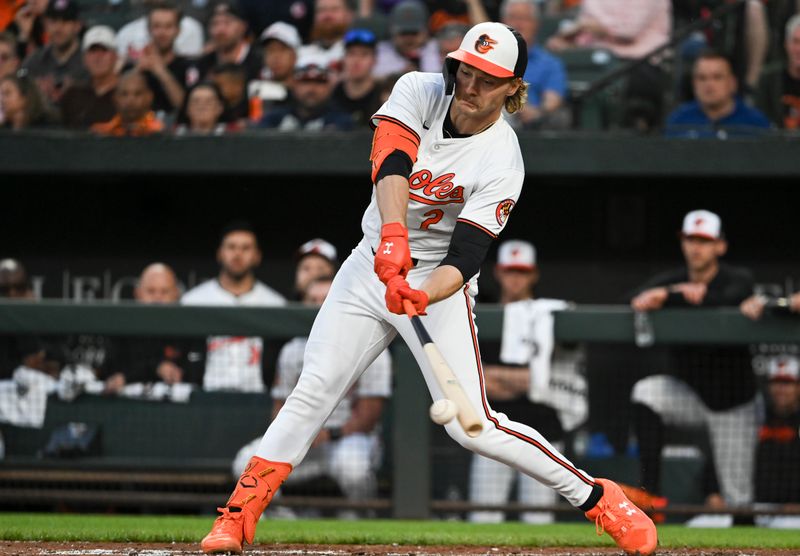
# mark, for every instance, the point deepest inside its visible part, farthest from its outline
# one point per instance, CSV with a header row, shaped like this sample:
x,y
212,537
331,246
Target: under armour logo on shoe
x,y
628,511
388,250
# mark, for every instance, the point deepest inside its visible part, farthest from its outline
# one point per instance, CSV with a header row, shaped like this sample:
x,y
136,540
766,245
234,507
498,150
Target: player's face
x,y
516,284
793,48
309,268
701,253
714,82
316,293
164,28
480,96
239,254
156,288
280,59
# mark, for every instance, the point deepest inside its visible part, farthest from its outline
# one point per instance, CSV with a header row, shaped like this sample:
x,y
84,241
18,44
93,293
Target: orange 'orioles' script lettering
x,y
441,188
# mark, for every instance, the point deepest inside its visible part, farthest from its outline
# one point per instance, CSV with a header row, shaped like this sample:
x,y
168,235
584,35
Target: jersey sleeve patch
x,y
503,211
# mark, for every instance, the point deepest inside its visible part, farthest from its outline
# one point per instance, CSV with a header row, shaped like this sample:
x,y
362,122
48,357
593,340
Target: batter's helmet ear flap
x,y
449,69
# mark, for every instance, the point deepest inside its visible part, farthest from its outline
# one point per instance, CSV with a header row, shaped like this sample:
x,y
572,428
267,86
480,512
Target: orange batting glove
x,y
397,290
393,256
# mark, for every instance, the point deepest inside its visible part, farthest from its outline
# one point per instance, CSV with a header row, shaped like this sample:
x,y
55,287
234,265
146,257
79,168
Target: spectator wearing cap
x,y
332,19
85,104
712,387
279,44
527,343
134,103
310,107
780,90
22,104
316,259
545,74
358,92
227,31
409,47
717,111
167,72
134,36
778,452
58,64
28,26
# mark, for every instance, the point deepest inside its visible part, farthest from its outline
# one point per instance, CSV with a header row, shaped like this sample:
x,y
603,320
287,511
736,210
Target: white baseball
x,y
443,411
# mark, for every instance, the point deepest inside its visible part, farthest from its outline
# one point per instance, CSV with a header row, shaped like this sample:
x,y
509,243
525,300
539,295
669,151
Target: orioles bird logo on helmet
x,y
484,43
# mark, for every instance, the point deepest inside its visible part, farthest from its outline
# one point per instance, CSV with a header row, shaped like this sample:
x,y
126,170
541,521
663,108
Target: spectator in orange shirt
x,y
134,101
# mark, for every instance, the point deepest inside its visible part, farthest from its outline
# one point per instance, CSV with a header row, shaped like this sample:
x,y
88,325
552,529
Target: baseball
x,y
443,411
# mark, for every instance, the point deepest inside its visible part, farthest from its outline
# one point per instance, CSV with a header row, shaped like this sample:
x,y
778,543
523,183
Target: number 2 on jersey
x,y
434,216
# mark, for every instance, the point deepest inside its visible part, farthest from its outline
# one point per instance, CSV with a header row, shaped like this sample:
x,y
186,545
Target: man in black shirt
x,y
167,73
707,386
358,93
780,90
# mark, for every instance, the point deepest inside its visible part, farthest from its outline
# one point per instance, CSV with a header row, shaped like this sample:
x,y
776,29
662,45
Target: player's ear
x,y
721,247
514,85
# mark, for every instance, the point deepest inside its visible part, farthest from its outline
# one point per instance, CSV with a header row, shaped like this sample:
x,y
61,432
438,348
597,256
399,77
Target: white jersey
x,y
376,382
233,362
475,180
134,36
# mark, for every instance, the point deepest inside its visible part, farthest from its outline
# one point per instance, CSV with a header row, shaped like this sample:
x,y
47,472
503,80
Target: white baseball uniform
x,y
233,362
475,180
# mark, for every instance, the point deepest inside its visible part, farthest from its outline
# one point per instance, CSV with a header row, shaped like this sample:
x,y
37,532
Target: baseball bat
x,y
448,382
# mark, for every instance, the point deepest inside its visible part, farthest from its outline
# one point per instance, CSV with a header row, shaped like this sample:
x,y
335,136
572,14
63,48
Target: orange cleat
x,y
629,526
646,501
253,493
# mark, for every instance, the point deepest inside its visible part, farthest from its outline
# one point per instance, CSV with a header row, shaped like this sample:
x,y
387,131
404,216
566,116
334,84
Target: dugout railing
x,y
164,479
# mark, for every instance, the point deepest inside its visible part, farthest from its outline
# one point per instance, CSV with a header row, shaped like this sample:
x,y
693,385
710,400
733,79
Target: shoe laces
x,y
607,521
227,518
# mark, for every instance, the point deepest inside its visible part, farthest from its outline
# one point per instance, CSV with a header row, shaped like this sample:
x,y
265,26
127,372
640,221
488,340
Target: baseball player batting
x,y
447,170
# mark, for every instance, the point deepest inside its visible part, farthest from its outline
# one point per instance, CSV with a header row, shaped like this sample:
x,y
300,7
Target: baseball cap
x,y
62,9
702,223
100,35
318,246
283,32
408,16
494,48
784,368
311,66
360,36
228,7
516,254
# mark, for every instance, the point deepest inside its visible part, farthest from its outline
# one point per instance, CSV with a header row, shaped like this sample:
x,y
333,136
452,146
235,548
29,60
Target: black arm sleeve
x,y
397,163
468,248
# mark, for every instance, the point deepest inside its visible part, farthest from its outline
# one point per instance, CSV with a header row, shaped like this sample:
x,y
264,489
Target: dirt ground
x,y
9,548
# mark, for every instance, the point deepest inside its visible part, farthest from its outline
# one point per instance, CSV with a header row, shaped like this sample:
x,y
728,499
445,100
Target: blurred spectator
x,y
315,258
332,18
463,12
531,379
310,107
28,26
58,64
235,362
227,31
167,360
708,386
717,111
9,61
545,75
23,398
297,13
14,284
134,102
778,452
348,447
410,47
85,104
279,44
22,104
449,38
780,90
167,72
202,111
387,84
358,93
753,307
232,82
134,36
631,30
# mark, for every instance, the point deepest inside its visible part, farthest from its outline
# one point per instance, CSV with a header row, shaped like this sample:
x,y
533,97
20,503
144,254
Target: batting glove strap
x,y
397,290
393,256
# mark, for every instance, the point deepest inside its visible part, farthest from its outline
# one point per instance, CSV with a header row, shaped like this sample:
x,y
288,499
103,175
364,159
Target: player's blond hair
x,y
518,99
